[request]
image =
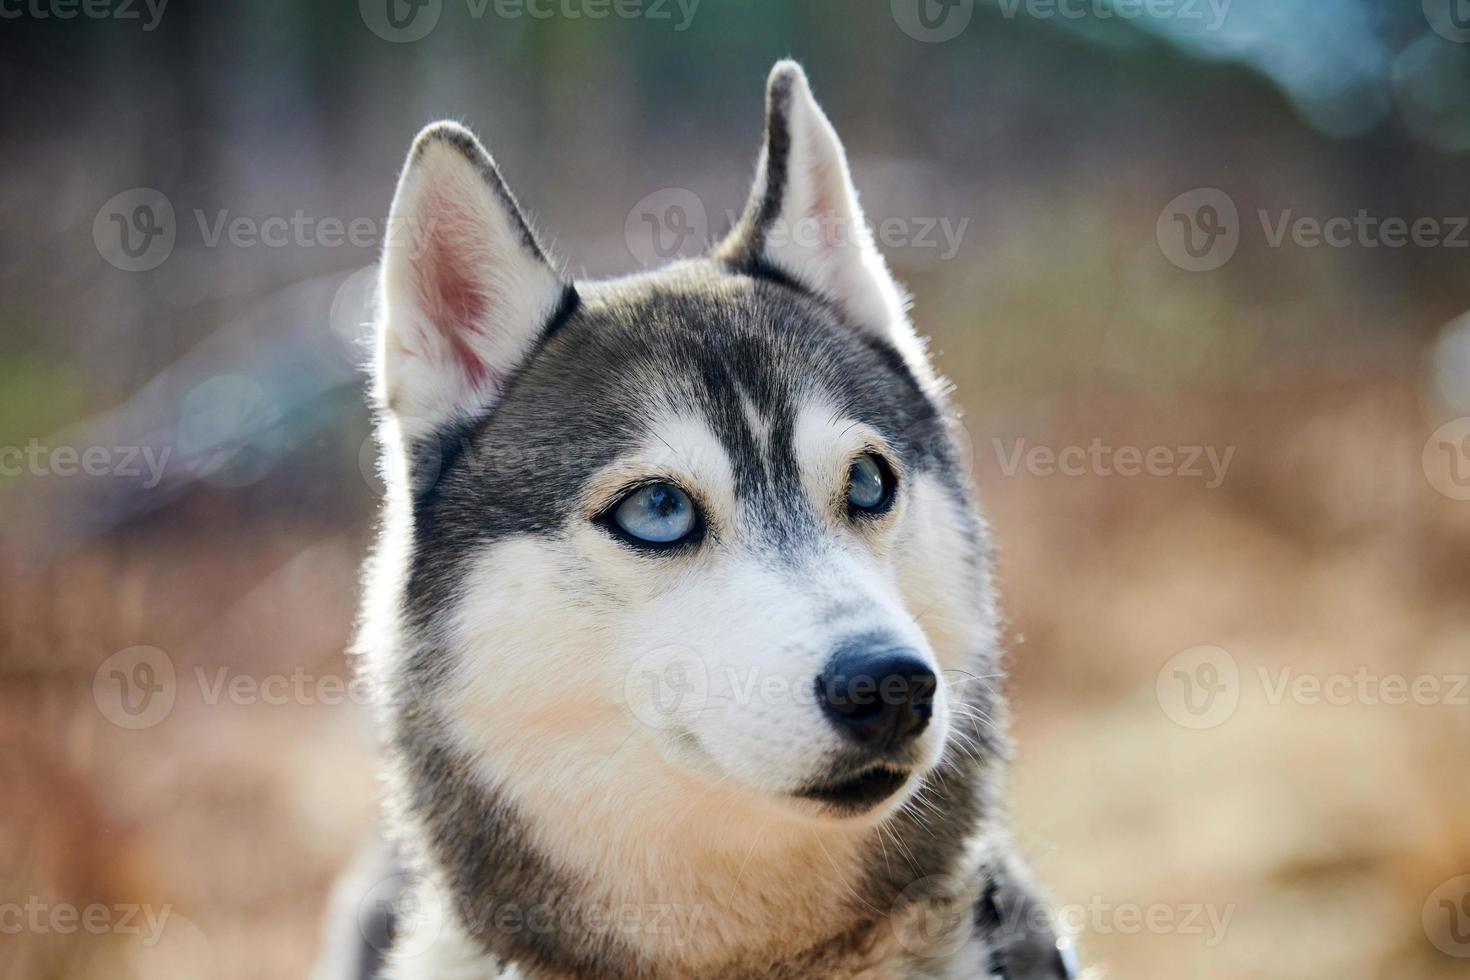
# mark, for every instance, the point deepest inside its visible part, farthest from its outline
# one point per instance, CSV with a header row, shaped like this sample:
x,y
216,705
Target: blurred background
x,y
1199,269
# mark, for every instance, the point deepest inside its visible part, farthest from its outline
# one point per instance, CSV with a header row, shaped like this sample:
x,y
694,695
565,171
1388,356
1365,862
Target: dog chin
x,y
872,792
868,789
854,793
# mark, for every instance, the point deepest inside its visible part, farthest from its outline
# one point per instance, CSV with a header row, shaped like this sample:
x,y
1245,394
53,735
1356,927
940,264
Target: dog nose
x,y
880,698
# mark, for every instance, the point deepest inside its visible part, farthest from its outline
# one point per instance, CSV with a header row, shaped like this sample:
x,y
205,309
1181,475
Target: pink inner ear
x,y
454,301
823,207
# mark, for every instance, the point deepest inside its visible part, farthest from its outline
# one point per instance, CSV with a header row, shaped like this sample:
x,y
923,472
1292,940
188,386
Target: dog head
x,y
706,525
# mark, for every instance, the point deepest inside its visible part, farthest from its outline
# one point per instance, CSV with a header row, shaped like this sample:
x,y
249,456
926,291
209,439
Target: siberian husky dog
x,y
681,619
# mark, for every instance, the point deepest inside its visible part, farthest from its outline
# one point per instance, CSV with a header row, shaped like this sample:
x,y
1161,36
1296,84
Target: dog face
x,y
703,528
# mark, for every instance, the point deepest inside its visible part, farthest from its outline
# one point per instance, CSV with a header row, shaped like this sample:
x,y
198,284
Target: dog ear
x,y
803,219
465,289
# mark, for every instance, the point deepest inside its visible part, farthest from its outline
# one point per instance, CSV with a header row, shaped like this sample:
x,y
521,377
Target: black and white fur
x,y
517,646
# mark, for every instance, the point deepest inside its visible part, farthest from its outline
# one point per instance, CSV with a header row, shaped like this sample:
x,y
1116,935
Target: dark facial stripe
x,y
736,383
745,246
778,155
720,403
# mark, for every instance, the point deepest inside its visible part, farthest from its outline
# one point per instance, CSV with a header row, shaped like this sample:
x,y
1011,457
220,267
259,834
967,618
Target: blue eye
x,y
658,514
870,484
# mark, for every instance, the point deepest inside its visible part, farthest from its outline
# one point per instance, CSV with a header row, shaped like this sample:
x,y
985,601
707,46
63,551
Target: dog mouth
x,y
858,794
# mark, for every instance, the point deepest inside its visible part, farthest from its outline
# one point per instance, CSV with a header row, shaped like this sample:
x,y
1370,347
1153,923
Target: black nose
x,y
880,698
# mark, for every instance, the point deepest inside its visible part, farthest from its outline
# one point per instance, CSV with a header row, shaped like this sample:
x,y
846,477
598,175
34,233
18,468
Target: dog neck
x,y
568,877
